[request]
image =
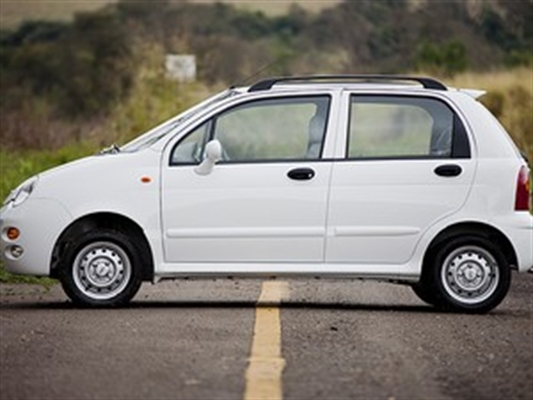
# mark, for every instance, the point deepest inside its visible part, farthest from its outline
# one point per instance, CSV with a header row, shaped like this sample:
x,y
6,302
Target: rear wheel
x,y
101,268
468,274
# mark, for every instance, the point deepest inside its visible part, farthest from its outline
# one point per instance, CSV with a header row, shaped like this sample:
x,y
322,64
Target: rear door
x,y
407,165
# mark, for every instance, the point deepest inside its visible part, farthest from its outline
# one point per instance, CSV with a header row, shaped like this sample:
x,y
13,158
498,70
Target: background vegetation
x,y
15,12
75,82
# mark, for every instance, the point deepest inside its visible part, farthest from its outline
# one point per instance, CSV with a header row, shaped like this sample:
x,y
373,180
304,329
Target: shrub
x,y
444,59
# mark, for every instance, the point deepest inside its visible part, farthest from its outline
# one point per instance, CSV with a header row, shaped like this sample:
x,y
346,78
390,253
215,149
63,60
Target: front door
x,y
265,201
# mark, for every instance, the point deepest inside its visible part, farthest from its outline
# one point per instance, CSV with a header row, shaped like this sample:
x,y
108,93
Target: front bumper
x,y
40,222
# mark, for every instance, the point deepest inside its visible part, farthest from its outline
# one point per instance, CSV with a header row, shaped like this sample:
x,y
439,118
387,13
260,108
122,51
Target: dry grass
x,y
14,12
509,97
278,7
496,80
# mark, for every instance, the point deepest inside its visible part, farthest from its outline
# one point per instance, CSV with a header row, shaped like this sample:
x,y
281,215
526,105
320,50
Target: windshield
x,y
155,134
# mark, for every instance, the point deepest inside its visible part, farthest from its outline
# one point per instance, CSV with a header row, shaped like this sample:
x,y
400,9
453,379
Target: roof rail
x,y
427,83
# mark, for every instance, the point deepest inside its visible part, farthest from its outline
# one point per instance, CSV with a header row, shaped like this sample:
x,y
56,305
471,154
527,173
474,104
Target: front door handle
x,y
301,174
448,170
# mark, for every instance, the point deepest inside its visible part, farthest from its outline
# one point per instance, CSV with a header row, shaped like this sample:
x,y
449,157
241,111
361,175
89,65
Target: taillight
x,y
522,191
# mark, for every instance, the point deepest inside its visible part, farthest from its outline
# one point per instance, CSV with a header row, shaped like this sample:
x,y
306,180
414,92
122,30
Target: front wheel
x,y
468,274
101,268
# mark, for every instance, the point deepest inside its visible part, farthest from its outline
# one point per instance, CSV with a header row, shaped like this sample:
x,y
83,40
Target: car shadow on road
x,y
314,305
240,304
310,305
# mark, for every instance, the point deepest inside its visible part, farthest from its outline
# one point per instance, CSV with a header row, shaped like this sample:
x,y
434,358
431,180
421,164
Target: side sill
x,y
392,273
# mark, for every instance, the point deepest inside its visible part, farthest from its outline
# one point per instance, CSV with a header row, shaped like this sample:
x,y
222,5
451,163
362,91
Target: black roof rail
x,y
427,83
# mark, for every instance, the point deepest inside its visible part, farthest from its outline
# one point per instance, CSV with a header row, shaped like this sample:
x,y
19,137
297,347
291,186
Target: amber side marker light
x,y
12,233
146,179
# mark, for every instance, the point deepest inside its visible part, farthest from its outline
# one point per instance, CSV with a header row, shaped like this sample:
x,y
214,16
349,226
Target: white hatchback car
x,y
385,177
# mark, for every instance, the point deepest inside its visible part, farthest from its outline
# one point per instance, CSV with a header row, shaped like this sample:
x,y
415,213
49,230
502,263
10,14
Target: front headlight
x,y
21,193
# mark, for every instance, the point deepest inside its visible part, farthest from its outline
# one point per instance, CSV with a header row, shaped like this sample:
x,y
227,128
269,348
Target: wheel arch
x,y
104,220
472,228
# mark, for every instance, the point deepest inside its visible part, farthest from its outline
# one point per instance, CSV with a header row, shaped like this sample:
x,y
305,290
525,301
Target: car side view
x,y
393,178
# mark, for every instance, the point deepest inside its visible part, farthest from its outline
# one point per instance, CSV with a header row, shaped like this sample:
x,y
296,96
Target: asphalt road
x,y
194,339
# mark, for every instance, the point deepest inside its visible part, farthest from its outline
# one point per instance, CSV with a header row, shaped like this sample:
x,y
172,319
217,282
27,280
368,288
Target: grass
x,y
6,277
279,7
14,12
17,166
509,97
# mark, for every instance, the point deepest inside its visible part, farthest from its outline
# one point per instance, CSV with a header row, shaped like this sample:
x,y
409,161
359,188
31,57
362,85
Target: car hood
x,y
97,174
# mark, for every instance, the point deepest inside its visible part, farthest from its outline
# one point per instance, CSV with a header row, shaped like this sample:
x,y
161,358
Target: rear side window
x,y
404,127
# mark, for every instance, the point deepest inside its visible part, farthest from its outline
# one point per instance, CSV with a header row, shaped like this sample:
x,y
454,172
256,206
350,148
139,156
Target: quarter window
x,y
396,127
190,149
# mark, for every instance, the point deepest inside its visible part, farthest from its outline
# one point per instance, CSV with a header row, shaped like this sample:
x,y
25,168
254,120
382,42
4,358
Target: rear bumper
x,y
519,230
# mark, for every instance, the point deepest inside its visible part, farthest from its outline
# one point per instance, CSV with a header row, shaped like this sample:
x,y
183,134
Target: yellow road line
x,y
263,377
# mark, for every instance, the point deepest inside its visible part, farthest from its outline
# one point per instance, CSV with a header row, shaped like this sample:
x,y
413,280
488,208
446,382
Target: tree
x,y
98,67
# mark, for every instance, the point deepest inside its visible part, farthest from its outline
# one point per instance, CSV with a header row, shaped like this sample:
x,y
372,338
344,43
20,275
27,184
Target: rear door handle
x,y
301,174
448,170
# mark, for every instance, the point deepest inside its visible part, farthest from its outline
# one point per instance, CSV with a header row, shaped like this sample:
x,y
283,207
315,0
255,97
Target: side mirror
x,y
213,153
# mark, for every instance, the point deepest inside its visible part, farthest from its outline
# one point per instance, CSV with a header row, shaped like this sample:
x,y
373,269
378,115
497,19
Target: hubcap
x,y
102,270
470,274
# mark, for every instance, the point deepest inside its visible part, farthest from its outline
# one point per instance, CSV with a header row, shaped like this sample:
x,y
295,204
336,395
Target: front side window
x,y
396,127
263,130
274,129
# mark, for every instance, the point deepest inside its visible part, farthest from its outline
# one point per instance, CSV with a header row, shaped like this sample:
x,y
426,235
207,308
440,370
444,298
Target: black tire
x,y
467,274
424,293
101,268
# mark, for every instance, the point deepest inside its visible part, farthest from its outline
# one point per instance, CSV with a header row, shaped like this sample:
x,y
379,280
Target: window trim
x,y
460,146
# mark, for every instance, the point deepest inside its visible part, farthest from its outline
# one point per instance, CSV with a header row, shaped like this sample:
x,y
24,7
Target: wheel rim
x,y
102,270
470,274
